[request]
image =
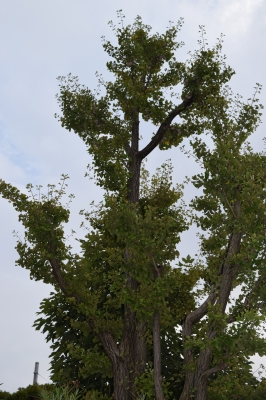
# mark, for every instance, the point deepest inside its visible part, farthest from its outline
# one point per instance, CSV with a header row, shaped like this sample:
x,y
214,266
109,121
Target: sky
x,y
41,40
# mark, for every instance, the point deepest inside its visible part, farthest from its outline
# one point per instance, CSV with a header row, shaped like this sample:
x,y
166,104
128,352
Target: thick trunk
x,y
134,162
129,357
133,342
195,387
202,389
190,321
157,357
200,378
120,367
196,381
135,337
128,360
134,180
188,386
122,390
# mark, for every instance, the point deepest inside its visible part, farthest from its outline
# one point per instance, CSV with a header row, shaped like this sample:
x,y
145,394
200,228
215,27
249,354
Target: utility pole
x,y
35,373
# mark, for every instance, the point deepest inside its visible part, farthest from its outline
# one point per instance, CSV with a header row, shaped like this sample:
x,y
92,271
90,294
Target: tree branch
x,y
57,272
109,344
196,315
246,304
58,275
213,370
164,126
127,148
221,268
229,205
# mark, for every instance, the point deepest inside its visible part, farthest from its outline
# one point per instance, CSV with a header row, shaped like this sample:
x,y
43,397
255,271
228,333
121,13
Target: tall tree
x,y
231,215
78,357
123,285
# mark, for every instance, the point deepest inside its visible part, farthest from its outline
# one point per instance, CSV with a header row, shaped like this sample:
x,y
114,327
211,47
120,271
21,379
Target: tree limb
x,y
58,275
164,126
196,315
213,370
221,268
127,148
229,205
246,304
109,344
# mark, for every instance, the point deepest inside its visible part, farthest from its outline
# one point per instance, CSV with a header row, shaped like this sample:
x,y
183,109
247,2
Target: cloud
x,y
238,15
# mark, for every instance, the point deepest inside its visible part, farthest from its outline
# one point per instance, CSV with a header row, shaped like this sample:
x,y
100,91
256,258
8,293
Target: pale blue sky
x,y
42,40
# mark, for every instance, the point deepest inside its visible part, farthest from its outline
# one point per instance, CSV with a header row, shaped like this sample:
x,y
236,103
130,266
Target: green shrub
x,y
31,392
95,395
52,392
71,393
60,393
4,395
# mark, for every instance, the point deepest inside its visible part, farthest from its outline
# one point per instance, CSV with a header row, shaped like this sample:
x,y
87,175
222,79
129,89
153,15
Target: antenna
x,y
35,373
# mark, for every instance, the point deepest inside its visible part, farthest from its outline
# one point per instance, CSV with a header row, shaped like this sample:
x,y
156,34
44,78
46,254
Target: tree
x,y
237,382
123,285
76,357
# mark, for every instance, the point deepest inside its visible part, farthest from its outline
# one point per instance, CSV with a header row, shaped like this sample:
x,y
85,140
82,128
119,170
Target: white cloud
x,y
238,15
9,170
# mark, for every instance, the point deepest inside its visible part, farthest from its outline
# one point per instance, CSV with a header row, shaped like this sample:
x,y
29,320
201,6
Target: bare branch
x,y
214,370
58,275
229,205
127,148
164,126
225,257
196,315
57,272
110,345
157,268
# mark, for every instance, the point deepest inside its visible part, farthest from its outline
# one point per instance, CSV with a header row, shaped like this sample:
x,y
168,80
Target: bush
x,y
4,395
52,392
31,392
71,393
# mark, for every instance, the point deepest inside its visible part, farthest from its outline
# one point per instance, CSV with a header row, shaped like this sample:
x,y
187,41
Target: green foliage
x,y
75,355
61,393
237,383
31,392
52,392
144,67
4,395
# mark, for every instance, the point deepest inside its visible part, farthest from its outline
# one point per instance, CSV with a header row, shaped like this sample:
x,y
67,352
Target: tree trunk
x,y
122,390
196,383
133,342
127,363
119,366
188,386
134,180
200,379
157,357
129,357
